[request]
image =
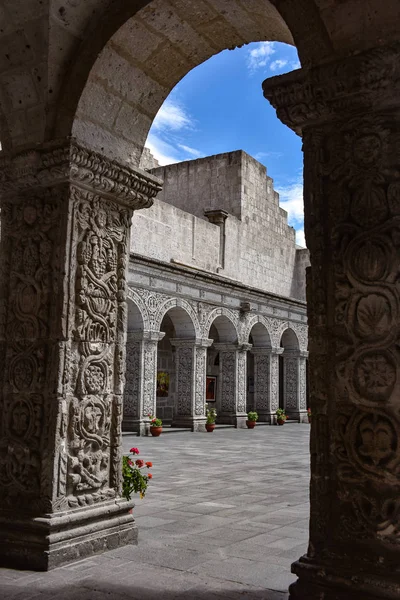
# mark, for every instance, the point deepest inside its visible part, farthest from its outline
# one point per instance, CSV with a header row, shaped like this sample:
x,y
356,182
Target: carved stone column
x,y
262,383
294,392
66,215
303,386
190,377
274,382
232,383
140,380
349,115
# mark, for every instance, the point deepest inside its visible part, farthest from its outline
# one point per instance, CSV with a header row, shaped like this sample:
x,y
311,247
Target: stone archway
x,y
260,373
292,377
181,367
66,212
230,384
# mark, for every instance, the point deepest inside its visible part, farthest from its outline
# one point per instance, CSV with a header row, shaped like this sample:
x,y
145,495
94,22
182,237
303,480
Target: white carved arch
x,y
293,342
177,303
220,312
302,335
134,297
250,324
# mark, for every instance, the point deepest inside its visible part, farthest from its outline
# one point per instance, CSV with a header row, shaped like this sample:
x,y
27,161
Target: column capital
x,y
369,81
191,343
303,354
261,350
292,352
66,161
148,336
225,347
217,217
277,351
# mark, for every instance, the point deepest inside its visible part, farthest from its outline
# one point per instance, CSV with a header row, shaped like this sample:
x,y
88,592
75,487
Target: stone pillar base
x,y
195,424
135,426
322,581
299,415
43,543
266,417
238,421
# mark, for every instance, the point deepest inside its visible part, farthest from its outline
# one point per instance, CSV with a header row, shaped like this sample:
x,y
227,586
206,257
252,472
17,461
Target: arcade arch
x,y
346,104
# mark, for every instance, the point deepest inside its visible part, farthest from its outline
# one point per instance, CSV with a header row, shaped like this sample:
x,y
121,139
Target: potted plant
x,y
309,414
155,426
135,475
211,415
281,416
252,418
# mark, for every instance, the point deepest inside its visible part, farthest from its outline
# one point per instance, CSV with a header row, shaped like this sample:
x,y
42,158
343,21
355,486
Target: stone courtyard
x,y
224,517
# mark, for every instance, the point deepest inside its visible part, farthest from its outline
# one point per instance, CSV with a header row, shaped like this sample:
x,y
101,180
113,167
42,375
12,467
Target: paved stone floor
x,y
225,515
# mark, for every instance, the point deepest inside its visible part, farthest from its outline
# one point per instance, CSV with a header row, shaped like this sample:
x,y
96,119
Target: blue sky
x,y
219,107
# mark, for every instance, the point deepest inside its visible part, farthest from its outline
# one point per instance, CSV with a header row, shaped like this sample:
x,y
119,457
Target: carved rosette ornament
x,y
66,216
349,116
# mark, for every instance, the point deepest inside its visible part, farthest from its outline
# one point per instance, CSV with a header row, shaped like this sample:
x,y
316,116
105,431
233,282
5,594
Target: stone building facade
x,y
192,312
80,85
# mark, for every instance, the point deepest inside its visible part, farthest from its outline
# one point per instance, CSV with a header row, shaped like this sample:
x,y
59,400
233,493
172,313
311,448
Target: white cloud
x,y
278,64
172,116
291,200
261,155
260,55
191,151
300,238
161,150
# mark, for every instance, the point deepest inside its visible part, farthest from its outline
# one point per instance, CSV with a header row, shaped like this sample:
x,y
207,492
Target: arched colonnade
x,y
186,352
74,118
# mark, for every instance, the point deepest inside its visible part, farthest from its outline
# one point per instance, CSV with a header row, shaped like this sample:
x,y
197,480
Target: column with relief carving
x,y
232,383
348,113
140,380
294,393
274,382
262,383
66,214
190,378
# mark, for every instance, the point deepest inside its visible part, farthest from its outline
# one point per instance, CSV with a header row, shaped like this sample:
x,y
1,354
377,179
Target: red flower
x,y
134,451
130,463
149,464
140,463
149,475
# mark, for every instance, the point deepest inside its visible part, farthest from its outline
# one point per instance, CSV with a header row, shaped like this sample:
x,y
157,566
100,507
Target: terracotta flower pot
x,y
210,426
155,431
281,421
251,424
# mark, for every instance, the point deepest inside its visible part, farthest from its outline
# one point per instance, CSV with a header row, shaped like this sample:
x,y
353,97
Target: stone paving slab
x,y
224,517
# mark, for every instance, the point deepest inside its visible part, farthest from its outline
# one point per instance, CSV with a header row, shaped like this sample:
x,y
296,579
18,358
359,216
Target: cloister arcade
x,y
79,87
187,352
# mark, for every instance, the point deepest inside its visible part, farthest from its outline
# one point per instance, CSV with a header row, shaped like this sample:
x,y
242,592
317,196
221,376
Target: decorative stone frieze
x,y
66,216
349,114
366,82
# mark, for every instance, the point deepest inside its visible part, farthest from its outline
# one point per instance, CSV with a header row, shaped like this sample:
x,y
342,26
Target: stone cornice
x,y
337,90
69,162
